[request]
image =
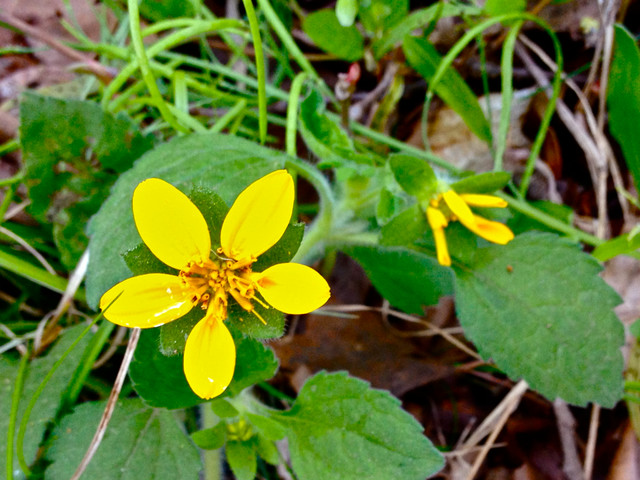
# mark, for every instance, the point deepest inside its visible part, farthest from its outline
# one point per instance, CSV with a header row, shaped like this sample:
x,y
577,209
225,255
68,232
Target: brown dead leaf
x,y
364,346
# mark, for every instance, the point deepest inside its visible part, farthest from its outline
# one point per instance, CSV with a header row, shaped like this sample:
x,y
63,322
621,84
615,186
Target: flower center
x,y
212,281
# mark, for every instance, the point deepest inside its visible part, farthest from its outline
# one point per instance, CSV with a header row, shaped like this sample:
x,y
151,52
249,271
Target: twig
x,y
492,425
101,72
566,430
111,404
595,158
601,140
47,266
591,442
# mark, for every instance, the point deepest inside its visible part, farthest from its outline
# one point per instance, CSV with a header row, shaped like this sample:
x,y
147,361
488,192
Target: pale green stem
x,y
145,69
292,113
260,68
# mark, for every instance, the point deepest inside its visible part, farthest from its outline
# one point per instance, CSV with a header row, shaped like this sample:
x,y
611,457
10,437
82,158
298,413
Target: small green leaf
x,y
378,16
406,228
222,163
487,182
521,223
420,19
242,459
70,169
49,401
267,450
267,427
157,10
346,11
322,135
159,379
494,8
389,206
223,408
141,443
424,58
621,245
414,175
409,279
623,98
538,308
360,432
325,30
255,362
211,438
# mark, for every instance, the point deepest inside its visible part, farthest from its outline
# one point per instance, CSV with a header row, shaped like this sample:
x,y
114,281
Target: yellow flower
x,y
177,234
456,207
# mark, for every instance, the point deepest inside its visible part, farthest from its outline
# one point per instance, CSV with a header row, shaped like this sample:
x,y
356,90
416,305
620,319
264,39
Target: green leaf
x,y
283,251
70,169
157,10
325,30
424,58
406,228
211,438
242,459
267,427
414,175
321,134
420,19
222,163
409,279
360,432
493,8
521,223
255,362
623,98
378,16
49,401
160,380
621,245
223,408
487,182
141,443
538,308
346,11
267,450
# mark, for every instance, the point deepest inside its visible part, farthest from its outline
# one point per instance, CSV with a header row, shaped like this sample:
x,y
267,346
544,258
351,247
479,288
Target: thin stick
x,y
111,404
503,411
591,442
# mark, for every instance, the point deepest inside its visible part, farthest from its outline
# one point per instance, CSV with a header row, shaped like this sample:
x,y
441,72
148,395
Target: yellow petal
x,y
477,200
170,225
209,358
438,221
460,209
495,232
292,288
258,217
147,301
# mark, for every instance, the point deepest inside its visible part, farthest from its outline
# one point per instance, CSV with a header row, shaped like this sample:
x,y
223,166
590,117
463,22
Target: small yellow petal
x,y
292,288
170,224
146,301
258,217
438,221
460,209
209,358
477,200
495,232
